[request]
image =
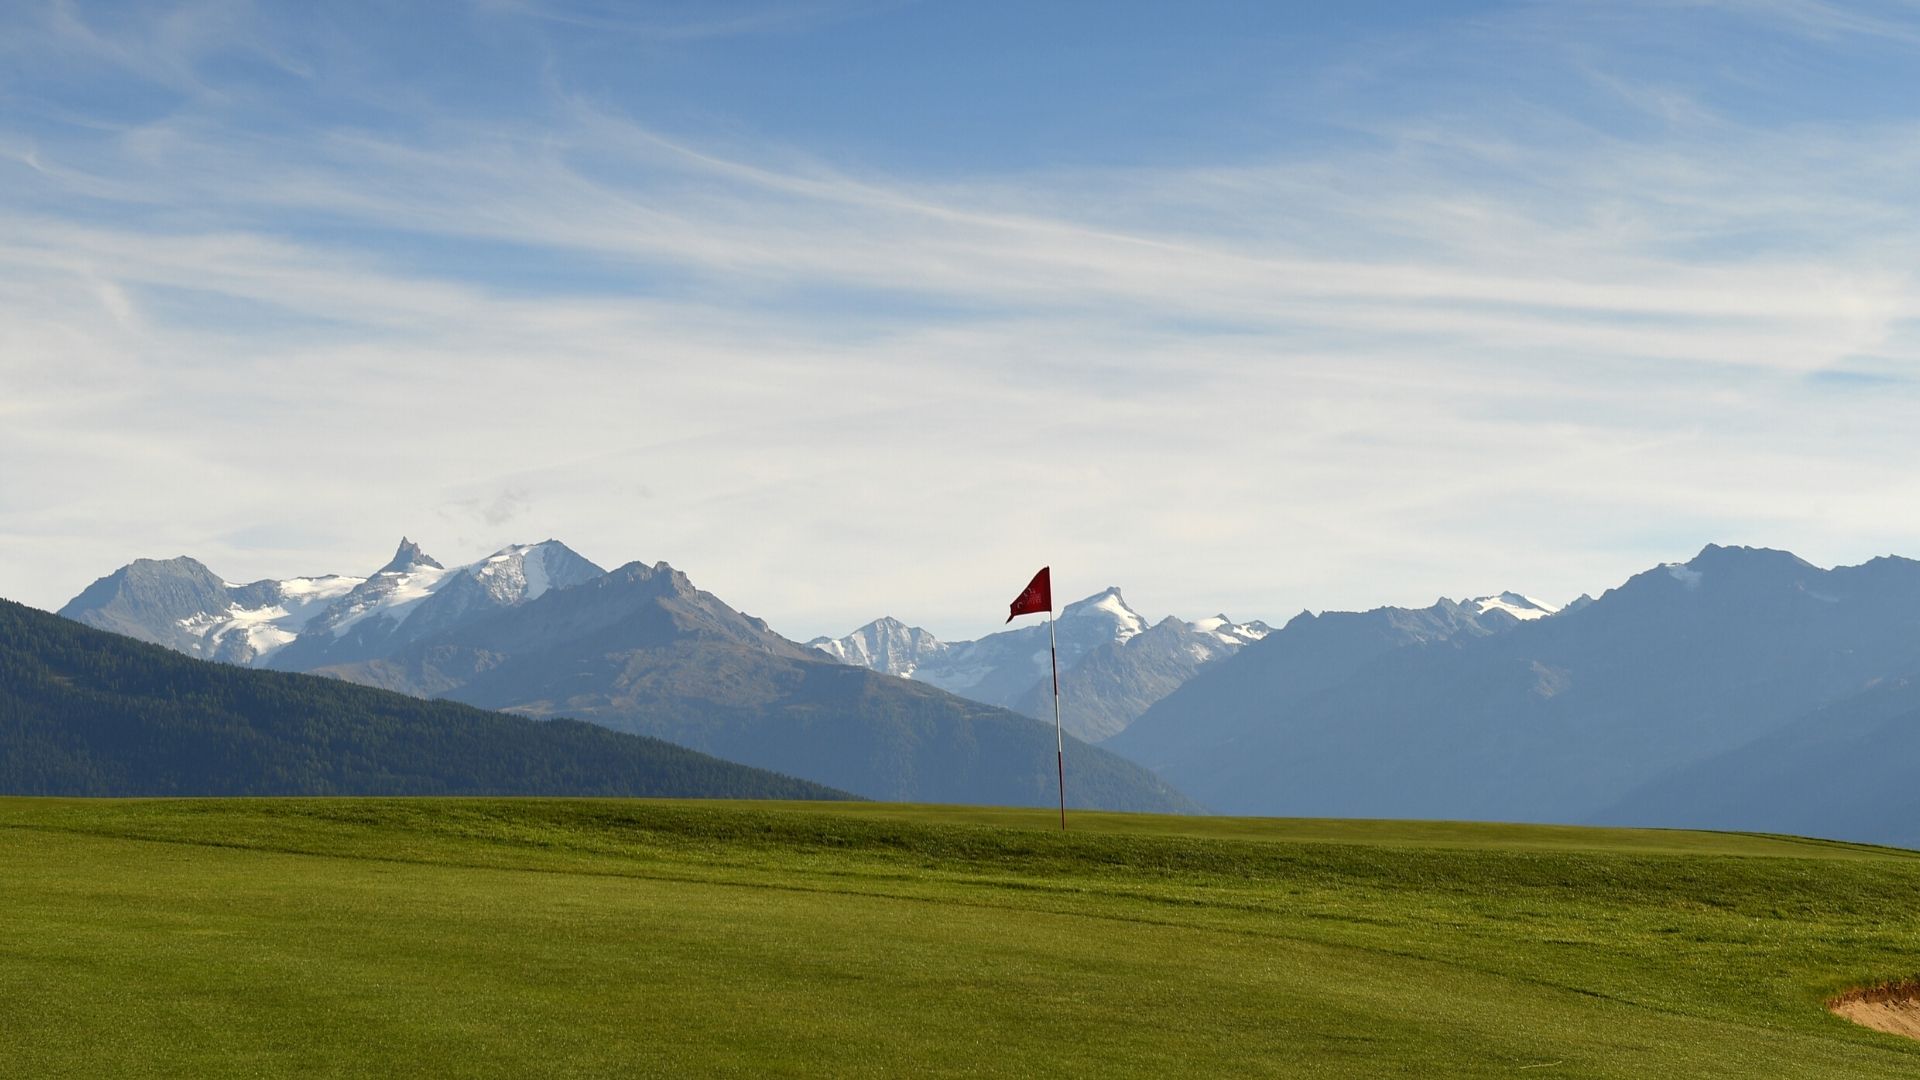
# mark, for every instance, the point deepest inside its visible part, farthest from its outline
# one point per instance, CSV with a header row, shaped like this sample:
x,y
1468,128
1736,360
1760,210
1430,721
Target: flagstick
x,y
1059,741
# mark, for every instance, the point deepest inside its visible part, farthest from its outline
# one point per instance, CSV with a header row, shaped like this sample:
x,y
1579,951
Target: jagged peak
x,y
409,557
639,572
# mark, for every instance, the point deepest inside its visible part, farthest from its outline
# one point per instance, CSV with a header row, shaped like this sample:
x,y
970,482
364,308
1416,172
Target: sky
x,y
864,307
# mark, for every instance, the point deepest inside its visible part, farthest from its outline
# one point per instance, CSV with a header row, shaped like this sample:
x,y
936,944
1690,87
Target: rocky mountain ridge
x,y
1012,668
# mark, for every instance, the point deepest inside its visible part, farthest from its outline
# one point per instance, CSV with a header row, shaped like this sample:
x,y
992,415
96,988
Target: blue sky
x,y
852,308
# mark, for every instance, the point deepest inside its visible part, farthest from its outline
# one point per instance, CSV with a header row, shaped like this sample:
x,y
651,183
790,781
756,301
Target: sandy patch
x,y
1894,1009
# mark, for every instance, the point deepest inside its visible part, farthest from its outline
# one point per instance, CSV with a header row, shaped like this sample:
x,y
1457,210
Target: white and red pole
x,y
1059,740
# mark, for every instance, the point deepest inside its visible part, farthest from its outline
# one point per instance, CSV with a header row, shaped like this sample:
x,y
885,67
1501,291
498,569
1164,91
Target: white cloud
x,y
1458,357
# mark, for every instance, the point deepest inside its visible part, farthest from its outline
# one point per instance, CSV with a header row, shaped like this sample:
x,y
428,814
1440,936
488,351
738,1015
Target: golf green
x,y
500,937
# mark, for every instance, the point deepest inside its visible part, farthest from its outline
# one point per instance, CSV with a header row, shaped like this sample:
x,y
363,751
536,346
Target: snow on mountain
x,y
391,593
181,604
1107,690
1011,668
885,645
248,634
302,623
1230,633
996,669
1108,610
1514,604
517,574
414,595
999,669
513,575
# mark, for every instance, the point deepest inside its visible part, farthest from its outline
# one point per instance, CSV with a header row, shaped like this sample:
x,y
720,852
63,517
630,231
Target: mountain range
x,y
1113,663
1743,688
538,630
183,605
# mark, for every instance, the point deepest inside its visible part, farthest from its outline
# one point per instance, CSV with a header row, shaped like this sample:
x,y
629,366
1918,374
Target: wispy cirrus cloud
x,y
1452,352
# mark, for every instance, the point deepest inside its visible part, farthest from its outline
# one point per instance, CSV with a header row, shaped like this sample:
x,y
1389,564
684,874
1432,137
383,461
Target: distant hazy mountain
x,y
1127,664
1461,713
1845,770
83,712
539,630
1202,729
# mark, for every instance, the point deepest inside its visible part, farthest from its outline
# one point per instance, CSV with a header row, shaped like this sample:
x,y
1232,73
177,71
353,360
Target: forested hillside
x,y
83,712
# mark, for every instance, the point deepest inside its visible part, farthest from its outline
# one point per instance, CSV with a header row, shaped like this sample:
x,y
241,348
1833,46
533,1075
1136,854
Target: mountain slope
x,y
183,605
1110,687
641,649
1551,719
1001,668
1845,770
1194,731
84,712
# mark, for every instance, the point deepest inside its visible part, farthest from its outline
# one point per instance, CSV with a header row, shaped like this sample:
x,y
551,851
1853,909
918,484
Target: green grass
x,y
515,938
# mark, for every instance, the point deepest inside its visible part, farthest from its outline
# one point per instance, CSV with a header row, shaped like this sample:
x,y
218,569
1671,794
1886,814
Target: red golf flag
x,y
1037,597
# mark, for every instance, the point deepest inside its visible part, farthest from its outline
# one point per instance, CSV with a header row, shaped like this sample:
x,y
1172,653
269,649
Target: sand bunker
x,y
1894,1009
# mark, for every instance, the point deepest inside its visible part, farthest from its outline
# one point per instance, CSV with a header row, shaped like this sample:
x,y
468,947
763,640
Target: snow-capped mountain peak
x,y
1131,664
1228,632
1513,603
513,575
885,644
523,572
183,605
995,668
414,595
392,593
1107,608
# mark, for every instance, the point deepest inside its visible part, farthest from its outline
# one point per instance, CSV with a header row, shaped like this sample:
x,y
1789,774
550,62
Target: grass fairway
x,y
607,938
